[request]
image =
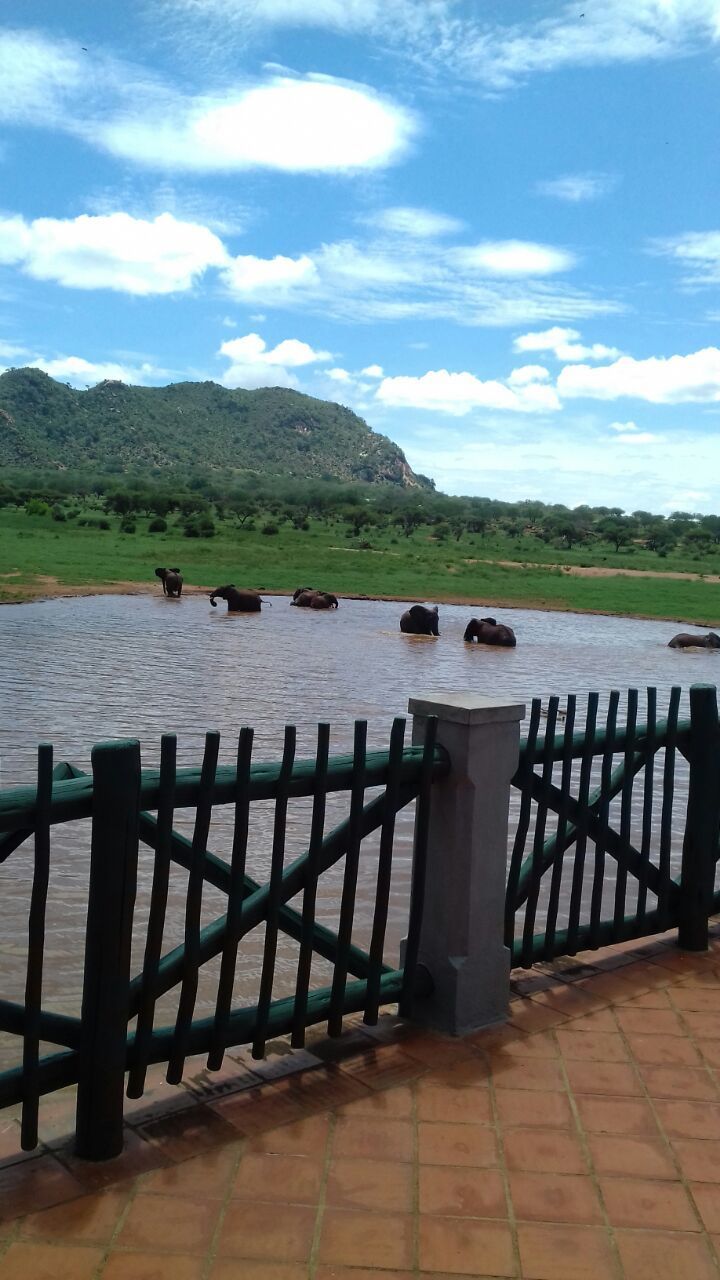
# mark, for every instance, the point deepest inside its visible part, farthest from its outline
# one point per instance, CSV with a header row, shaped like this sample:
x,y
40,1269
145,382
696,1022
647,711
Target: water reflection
x,y
77,671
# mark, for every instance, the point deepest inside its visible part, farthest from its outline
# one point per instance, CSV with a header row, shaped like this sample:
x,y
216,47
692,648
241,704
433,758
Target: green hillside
x,y
271,431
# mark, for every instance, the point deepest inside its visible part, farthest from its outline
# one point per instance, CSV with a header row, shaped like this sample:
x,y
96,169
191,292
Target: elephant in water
x,y
309,598
171,580
686,641
246,600
488,631
420,620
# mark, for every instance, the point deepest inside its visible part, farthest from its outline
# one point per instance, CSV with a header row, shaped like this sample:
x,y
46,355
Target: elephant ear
x,y
417,611
159,572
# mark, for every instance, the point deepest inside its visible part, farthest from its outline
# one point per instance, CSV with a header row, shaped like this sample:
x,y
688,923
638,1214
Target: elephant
x,y
488,631
686,641
420,620
246,600
171,580
309,598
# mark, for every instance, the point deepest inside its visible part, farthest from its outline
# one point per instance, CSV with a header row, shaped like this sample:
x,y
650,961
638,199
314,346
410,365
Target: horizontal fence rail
x,y
617,826
129,806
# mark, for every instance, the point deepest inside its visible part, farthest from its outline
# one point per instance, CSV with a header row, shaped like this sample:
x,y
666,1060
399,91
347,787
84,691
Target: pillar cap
x,y
463,707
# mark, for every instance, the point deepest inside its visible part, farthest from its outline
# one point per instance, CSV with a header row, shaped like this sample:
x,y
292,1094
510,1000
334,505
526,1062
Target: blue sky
x,y
490,228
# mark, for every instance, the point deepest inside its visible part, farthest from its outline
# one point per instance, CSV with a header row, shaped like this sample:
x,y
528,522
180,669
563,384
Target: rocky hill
x,y
271,431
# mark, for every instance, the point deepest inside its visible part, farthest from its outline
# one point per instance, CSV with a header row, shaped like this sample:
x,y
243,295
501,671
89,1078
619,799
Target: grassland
x,y
39,557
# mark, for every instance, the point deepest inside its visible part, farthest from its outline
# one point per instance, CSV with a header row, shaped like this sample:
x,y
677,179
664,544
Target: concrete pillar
x,y
461,940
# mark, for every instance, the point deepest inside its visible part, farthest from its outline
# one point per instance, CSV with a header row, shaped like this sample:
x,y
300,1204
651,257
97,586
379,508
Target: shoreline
x,y
50,589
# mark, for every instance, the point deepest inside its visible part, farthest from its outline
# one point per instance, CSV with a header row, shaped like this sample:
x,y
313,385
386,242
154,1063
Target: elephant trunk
x,y
213,601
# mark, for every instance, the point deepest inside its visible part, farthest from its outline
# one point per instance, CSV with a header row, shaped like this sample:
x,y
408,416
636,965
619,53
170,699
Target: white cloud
x,y
577,188
338,375
272,279
422,223
640,437
372,371
564,345
112,252
254,364
460,393
528,373
297,125
694,378
511,258
624,427
697,251
80,373
9,350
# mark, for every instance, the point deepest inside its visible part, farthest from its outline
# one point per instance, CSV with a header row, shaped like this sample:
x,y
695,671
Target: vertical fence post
x,y
108,939
461,936
702,826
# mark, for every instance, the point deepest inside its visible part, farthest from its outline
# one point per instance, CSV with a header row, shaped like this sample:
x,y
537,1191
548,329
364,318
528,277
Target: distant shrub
x,y
201,526
36,507
269,529
92,522
157,525
58,514
127,525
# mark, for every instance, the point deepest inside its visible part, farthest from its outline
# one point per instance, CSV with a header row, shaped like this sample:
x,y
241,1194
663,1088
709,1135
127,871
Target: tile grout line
x,y
415,1266
107,1249
312,1263
211,1251
580,1128
502,1166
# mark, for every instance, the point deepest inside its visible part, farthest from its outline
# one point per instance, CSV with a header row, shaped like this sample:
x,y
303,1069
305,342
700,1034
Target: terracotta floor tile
x,y
601,1114
136,1157
252,1269
50,1262
152,1266
650,1000
306,1137
565,1253
382,1066
632,1157
258,1110
532,1015
456,1144
262,1231
540,1045
528,1109
207,1175
699,1159
10,1150
710,1050
351,1273
366,1239
648,1203
440,1102
664,1255
187,1133
178,1224
290,1179
471,1073
600,1020
370,1184
689,1119
390,1104
35,1184
436,1050
664,1051
610,986
618,1079
512,1073
705,1025
315,1091
707,1199
373,1139
698,999
596,1046
543,1151
89,1220
570,999
462,1192
692,1083
549,1197
650,1022
460,1246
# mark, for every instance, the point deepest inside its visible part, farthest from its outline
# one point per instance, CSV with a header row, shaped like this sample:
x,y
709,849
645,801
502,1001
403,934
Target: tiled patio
x,y
579,1142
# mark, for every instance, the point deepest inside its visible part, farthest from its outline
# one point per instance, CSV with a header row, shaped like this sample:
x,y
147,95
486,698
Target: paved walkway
x,y
579,1142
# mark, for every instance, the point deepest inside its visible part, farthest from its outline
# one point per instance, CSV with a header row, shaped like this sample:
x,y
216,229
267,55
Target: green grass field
x,y
34,549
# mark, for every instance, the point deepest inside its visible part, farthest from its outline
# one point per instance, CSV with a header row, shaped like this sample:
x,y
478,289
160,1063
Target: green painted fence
x,y
127,805
617,829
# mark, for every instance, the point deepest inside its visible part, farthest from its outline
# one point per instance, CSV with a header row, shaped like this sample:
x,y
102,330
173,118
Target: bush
x,y
58,514
158,525
269,529
36,507
199,527
127,525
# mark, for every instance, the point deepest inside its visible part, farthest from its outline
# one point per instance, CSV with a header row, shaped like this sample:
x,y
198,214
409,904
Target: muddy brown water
x,y
78,671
